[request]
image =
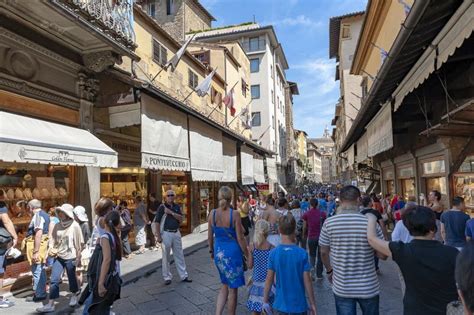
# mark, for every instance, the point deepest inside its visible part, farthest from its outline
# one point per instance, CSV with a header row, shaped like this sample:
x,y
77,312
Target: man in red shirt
x,y
313,221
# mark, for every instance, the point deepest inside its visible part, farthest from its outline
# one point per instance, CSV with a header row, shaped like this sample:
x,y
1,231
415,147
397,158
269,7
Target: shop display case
x,y
464,186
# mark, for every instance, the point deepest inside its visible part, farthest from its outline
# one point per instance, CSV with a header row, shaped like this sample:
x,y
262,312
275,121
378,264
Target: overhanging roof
x,y
423,23
293,88
204,10
335,30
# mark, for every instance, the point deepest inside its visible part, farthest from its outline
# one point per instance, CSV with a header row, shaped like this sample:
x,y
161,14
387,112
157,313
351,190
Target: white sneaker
x,y
73,300
4,303
45,309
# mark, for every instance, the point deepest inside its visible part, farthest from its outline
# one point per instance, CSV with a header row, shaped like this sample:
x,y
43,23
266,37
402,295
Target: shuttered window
x,y
160,54
192,79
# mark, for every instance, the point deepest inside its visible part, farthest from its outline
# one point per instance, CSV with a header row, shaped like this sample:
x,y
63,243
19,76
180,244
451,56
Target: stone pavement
x,y
145,293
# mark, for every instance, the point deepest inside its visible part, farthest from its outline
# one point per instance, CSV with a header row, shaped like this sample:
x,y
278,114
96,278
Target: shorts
x,y
2,261
140,235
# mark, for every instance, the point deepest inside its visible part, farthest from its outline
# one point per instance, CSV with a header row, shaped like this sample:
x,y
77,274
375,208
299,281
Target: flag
x,y
204,87
245,119
383,54
177,57
229,101
406,7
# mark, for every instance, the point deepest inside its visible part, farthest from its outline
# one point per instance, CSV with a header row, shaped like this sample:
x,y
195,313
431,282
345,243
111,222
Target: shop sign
x,y
406,172
161,162
39,155
263,189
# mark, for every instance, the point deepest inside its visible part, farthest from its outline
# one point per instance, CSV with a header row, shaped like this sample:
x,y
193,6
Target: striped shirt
x,y
352,257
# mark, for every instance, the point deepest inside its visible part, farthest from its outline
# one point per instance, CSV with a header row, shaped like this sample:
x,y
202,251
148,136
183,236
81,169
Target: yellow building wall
x,y
173,83
383,36
301,142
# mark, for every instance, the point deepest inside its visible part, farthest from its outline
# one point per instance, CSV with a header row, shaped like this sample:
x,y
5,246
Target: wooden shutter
x,y
218,99
164,55
156,51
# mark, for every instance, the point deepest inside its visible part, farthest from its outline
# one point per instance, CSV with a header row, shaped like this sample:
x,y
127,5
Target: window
x,y
253,43
216,97
273,96
152,10
160,54
244,88
169,7
255,91
278,102
204,57
254,65
271,71
256,119
192,79
273,121
346,31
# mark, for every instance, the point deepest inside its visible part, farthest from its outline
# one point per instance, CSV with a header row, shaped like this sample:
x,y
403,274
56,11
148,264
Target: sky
x,y
302,27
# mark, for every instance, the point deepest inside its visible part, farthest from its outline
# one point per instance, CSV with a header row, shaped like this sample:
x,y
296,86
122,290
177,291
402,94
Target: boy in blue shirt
x,y
289,264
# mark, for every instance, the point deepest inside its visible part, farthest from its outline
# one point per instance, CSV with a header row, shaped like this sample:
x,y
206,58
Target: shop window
x,y
192,79
464,187
346,31
468,165
390,186
408,188
436,183
434,167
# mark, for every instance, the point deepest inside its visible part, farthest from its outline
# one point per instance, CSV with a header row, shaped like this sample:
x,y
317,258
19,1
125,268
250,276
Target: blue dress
x,y
228,255
260,268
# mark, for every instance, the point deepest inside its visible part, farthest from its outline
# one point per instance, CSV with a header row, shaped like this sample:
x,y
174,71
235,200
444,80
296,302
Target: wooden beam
x,y
23,105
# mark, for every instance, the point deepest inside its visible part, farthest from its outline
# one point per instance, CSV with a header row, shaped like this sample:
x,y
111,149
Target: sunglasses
x,y
170,195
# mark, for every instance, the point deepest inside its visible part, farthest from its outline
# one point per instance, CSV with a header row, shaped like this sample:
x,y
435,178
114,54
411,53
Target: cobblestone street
x,y
149,295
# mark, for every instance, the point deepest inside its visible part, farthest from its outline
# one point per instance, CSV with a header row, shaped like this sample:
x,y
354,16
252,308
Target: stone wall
x,y
194,18
173,23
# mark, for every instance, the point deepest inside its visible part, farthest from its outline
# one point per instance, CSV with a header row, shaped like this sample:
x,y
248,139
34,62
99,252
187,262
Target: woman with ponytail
x,y
103,274
259,252
228,248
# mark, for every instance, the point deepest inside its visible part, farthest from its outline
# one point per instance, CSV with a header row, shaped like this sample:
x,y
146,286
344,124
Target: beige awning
x,y
258,170
246,165
452,36
362,148
230,160
379,131
272,169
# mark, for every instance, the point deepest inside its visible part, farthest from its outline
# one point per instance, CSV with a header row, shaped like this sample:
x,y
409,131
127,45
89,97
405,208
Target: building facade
x,y
325,146
314,173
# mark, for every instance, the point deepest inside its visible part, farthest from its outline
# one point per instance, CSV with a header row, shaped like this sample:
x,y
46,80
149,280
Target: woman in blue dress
x,y
227,247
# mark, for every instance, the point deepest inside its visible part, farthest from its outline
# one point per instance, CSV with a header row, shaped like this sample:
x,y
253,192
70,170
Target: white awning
x,y
258,170
229,160
124,115
362,149
452,36
164,136
379,131
246,165
30,140
206,151
272,169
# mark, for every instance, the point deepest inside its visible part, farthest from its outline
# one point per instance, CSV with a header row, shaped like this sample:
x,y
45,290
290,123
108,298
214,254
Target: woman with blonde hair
x,y
259,252
227,247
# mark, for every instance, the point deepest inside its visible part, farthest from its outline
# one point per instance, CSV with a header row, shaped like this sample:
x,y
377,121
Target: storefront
x,y
407,180
463,183
388,180
434,176
43,165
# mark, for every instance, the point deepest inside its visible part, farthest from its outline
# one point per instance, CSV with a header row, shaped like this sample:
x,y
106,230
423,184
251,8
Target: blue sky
x,y
302,27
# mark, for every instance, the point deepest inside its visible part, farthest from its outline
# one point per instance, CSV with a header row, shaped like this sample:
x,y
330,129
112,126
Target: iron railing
x,y
113,16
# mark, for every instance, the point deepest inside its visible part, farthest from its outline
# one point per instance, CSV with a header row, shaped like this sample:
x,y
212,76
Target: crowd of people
x,y
285,242
61,240
300,239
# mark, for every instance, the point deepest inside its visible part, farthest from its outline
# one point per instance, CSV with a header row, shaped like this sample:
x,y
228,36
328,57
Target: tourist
x,y
465,277
469,230
140,220
313,221
105,265
259,252
151,213
298,215
244,209
376,204
168,234
427,265
261,206
37,249
228,248
81,218
322,204
453,224
9,240
289,269
272,215
65,246
331,205
344,239
126,228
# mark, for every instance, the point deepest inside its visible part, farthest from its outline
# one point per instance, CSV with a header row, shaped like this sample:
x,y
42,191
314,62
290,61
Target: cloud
x,y
299,20
319,73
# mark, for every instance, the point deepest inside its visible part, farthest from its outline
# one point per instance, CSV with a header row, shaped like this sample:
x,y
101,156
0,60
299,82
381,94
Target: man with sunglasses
x,y
168,219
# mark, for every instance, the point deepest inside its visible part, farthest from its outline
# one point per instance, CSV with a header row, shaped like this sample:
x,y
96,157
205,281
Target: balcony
x,y
254,45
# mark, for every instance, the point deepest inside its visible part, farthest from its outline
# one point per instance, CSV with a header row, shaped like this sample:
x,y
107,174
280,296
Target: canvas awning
x,y
125,115
206,151
362,148
379,131
452,36
246,165
272,169
30,140
229,160
258,170
164,136
350,156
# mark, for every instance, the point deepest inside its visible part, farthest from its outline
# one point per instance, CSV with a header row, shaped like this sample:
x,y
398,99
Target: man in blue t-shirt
x,y
289,265
322,202
470,230
453,224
